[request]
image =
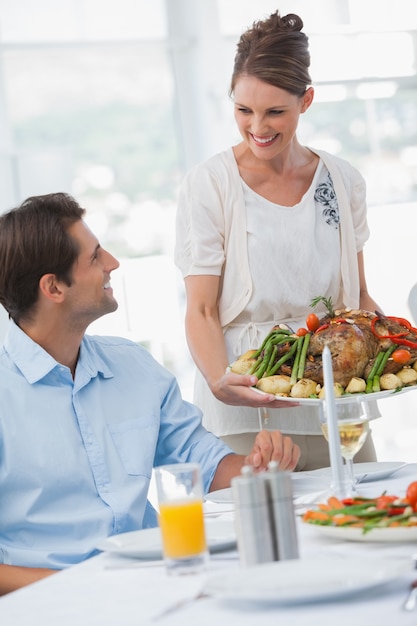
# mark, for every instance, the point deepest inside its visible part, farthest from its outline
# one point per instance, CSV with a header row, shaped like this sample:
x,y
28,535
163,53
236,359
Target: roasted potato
x,y
279,384
390,381
408,376
356,385
338,391
243,364
304,388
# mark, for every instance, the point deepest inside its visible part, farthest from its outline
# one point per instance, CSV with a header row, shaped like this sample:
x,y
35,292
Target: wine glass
x,y
353,425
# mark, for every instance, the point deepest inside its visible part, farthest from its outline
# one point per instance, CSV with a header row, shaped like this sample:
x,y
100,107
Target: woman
x,y
262,229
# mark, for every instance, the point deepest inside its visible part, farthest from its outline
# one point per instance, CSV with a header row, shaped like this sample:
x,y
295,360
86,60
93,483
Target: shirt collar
x,y
35,363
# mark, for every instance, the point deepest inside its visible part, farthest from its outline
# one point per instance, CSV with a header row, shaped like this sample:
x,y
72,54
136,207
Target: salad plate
x,y
147,543
301,580
384,535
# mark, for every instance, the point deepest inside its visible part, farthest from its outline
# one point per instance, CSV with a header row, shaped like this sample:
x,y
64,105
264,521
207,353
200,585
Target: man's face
x,y
90,295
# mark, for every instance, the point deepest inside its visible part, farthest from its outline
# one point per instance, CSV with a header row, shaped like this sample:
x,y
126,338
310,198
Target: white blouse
x,y
292,254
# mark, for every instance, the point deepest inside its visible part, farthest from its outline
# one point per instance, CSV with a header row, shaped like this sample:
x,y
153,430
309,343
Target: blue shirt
x,y
76,456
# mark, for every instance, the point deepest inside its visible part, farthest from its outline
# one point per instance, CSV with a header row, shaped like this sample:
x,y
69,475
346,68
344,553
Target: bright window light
x,y
370,91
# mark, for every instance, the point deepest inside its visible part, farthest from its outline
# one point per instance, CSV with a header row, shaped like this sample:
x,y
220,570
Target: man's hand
x,y
268,446
273,446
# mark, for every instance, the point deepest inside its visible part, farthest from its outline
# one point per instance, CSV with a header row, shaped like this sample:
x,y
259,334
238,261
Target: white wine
x,y
352,436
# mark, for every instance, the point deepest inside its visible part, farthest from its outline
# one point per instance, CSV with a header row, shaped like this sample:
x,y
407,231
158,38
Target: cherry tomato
x,y
312,322
301,332
411,495
401,356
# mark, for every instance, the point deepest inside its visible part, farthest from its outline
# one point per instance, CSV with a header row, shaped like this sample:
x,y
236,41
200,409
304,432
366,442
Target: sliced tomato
x,y
312,322
383,502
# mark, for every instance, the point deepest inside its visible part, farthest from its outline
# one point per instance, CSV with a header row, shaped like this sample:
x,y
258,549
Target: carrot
x,y
315,516
335,503
324,507
342,520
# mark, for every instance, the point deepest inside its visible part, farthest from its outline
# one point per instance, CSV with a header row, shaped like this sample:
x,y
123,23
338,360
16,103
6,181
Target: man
x,y
83,420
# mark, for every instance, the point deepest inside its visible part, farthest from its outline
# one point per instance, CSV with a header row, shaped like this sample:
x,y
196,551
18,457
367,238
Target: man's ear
x,y
50,288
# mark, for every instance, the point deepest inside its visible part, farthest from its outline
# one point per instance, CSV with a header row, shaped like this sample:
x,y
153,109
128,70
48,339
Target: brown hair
x,y
275,51
34,241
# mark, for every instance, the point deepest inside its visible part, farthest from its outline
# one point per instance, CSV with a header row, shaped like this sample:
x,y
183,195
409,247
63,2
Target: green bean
x,y
284,358
255,365
294,372
303,355
275,336
375,383
260,371
271,360
262,347
370,379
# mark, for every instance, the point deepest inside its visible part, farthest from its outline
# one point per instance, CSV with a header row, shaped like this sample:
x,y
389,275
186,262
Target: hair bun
x,y
292,22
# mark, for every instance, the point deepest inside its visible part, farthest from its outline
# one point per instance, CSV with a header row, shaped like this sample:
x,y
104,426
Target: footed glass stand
x,y
353,418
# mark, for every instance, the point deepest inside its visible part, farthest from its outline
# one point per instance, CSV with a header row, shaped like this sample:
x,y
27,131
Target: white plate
x,y
305,580
385,535
147,544
365,472
307,482
367,397
220,496
302,483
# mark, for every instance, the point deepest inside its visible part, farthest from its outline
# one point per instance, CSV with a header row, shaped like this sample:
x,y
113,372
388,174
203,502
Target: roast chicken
x,y
355,338
353,346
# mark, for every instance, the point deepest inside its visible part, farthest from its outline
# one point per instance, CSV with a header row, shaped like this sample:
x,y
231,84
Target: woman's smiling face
x,y
267,117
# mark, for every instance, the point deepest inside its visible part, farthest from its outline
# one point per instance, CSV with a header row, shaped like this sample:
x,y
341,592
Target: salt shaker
x,y
252,518
280,495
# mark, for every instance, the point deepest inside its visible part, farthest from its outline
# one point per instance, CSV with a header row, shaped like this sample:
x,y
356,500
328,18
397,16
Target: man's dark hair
x,y
34,241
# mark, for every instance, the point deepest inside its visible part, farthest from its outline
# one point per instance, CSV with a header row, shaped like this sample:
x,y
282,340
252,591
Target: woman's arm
x,y
208,349
14,577
365,301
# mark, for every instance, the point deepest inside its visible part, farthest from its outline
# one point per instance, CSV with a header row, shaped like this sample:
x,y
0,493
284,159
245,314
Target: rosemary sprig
x,y
327,303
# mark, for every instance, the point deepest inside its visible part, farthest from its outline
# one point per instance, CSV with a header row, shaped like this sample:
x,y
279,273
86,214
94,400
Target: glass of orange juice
x,y
181,518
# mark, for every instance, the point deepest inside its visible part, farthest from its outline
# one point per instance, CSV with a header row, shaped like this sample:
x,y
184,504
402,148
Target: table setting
x,y
334,578
208,563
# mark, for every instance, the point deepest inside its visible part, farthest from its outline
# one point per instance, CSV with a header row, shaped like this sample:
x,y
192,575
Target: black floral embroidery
x,y
326,196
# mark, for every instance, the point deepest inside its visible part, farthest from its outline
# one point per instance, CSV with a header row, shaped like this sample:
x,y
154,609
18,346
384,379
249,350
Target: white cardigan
x,y
216,185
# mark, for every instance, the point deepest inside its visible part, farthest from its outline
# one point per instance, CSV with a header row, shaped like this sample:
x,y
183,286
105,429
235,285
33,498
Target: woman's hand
x,y
273,446
236,390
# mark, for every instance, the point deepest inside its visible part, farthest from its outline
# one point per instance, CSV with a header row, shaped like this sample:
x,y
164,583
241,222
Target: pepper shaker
x,y
280,495
252,518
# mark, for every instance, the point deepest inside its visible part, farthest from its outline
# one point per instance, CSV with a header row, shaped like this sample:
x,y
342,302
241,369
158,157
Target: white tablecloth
x,y
109,590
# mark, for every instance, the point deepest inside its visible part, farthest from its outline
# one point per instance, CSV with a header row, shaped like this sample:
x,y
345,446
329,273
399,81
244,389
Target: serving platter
x,y
366,397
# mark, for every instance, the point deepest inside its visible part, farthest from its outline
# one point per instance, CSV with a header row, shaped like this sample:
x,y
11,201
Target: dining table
x,y
116,589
